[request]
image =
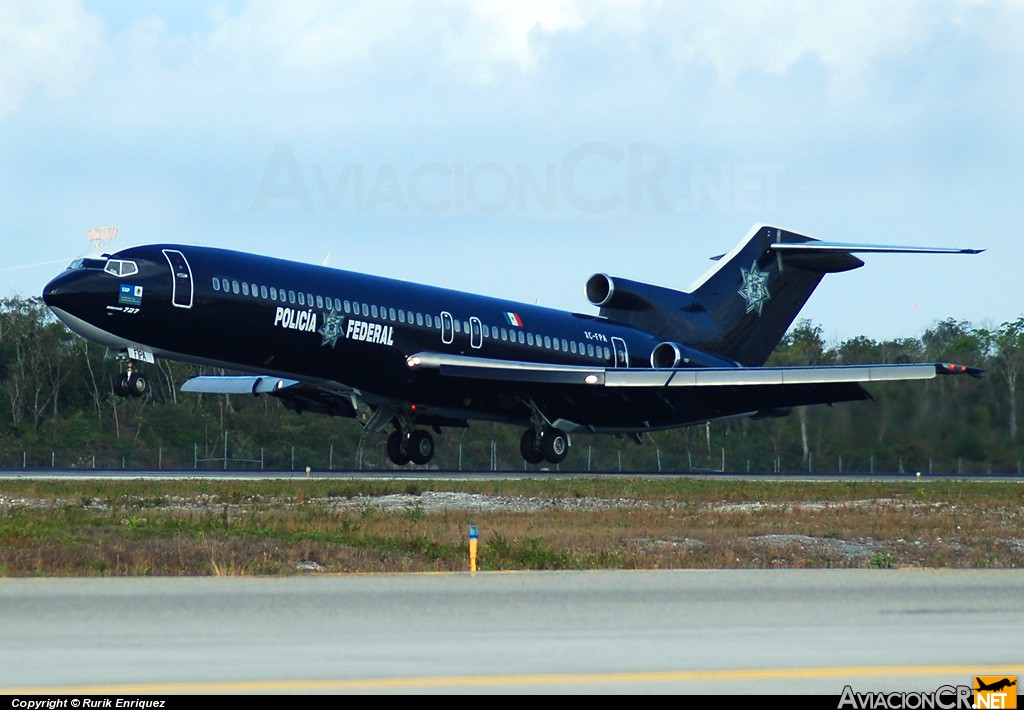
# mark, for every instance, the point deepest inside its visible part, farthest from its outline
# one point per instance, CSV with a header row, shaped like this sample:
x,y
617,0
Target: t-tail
x,y
741,308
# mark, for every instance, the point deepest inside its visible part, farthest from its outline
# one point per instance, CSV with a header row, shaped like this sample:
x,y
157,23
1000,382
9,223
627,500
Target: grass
x,y
282,527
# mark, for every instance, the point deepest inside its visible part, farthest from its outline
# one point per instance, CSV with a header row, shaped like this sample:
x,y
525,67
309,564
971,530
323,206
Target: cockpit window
x,y
121,268
86,263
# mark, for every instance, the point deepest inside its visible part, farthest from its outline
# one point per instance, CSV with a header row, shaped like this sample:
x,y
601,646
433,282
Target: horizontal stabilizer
x,y
547,373
847,248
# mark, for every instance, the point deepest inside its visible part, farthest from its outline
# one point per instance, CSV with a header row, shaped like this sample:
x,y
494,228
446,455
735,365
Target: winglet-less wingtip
x,y
952,368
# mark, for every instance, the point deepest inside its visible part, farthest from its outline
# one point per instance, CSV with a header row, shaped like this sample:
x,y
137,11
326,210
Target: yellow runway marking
x,y
355,685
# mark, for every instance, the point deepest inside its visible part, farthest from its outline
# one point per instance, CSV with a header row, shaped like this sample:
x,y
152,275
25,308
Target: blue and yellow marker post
x,y
472,548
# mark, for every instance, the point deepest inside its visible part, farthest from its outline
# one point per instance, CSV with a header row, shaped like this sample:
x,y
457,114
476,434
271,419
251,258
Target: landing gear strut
x,y
549,444
405,446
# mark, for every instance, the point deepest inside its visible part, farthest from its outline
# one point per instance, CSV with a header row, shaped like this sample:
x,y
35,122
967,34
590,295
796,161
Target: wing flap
x,y
548,373
294,394
236,384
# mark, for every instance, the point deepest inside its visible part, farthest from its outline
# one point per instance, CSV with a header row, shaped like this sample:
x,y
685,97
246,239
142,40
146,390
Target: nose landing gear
x,y
131,383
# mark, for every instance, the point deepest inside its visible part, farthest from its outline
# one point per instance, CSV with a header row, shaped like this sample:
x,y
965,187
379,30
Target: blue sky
x,y
513,149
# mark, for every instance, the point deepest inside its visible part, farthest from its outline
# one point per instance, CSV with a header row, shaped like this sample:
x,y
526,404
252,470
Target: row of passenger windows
x,y
308,300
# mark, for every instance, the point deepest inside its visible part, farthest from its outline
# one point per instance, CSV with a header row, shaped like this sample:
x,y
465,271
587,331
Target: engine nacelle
x,y
607,292
667,354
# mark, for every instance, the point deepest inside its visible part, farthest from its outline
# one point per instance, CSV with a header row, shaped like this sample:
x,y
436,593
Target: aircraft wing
x,y
294,394
547,373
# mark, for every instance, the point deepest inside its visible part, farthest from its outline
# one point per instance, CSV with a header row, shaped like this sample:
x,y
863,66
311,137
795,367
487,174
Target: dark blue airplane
x,y
324,340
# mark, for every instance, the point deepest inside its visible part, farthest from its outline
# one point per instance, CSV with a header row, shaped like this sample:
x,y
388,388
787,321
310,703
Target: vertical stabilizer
x,y
753,294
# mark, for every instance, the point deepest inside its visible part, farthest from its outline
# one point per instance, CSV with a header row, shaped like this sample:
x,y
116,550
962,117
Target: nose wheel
x,y
131,384
416,446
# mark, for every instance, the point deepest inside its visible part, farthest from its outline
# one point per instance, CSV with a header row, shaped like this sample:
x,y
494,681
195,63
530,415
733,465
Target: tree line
x,y
59,409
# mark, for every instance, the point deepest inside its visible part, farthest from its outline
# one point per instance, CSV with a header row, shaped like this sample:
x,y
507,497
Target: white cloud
x,y
49,45
314,56
849,37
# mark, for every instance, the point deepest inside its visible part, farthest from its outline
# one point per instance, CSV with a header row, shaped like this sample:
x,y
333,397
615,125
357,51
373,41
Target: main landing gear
x,y
405,446
131,383
546,444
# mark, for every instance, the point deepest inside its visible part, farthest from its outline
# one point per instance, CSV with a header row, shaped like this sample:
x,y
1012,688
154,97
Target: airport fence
x,y
371,455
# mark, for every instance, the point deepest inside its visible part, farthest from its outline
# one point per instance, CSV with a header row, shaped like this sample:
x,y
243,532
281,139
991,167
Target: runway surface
x,y
714,632
419,474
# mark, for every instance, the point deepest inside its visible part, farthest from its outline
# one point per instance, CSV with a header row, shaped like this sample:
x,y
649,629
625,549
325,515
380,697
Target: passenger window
x,y
401,316
245,288
547,341
235,288
216,284
565,345
529,338
391,315
302,298
419,319
291,296
373,310
319,301
365,310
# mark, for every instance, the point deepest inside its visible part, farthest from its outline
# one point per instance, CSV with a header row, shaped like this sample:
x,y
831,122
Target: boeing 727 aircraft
x,y
325,340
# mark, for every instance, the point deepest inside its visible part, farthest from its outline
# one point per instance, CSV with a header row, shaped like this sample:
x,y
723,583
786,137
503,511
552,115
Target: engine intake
x,y
607,292
666,354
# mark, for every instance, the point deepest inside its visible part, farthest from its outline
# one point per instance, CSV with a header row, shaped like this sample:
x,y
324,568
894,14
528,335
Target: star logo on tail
x,y
755,287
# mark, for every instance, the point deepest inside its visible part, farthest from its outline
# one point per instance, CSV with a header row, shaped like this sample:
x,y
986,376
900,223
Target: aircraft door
x,y
476,333
621,355
182,289
447,328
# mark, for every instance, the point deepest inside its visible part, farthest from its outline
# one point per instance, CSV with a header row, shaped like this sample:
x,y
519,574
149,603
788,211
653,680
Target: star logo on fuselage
x,y
332,329
755,287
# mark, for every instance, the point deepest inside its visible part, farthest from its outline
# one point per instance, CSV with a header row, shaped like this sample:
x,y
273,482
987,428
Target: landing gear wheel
x,y
554,445
420,447
138,385
131,384
396,451
529,447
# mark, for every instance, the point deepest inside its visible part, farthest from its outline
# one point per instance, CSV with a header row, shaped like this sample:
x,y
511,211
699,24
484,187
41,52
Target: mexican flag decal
x,y
514,319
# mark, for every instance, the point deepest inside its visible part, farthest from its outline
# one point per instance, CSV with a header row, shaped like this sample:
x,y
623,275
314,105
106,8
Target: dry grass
x,y
192,527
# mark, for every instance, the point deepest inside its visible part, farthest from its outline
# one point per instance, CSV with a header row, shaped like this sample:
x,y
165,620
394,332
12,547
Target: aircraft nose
x,y
69,291
51,291
55,292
